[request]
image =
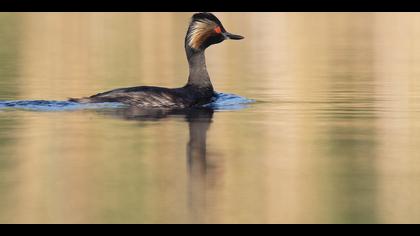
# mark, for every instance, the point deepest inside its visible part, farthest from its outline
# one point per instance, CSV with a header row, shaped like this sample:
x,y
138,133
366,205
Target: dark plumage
x,y
148,96
204,30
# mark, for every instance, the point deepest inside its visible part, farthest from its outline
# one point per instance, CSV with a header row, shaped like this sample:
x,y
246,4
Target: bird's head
x,y
204,30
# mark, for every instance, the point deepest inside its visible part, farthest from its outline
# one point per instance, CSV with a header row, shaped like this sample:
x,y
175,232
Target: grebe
x,y
204,30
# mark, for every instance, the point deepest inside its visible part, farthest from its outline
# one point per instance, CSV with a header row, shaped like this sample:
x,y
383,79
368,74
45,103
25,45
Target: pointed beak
x,y
232,36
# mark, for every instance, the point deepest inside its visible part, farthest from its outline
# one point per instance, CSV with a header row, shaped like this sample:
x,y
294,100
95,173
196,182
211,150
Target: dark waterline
x,y
221,101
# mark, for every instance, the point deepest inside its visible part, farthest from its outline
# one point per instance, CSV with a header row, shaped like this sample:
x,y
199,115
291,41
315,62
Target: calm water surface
x,y
333,137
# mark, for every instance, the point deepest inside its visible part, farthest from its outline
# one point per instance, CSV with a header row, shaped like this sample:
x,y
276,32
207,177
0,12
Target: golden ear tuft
x,y
200,30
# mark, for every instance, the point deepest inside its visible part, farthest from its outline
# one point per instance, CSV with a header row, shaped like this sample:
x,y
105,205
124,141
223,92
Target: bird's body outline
x,y
204,30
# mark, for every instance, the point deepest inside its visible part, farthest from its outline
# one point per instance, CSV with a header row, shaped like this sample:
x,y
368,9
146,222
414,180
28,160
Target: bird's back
x,y
150,96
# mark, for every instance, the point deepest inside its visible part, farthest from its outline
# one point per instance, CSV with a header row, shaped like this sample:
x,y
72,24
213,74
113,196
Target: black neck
x,y
199,76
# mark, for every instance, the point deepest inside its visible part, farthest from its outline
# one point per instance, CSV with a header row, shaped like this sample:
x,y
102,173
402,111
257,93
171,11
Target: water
x,y
317,120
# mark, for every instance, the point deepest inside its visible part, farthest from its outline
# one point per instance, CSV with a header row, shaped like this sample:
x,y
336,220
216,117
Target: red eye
x,y
218,30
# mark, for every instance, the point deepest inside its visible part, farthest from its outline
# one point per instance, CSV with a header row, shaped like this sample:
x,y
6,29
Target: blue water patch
x,y
221,101
227,101
42,105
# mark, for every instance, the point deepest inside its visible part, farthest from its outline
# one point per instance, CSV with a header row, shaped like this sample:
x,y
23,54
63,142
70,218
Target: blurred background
x,y
332,138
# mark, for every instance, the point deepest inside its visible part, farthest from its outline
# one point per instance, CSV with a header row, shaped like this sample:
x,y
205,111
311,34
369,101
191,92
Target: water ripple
x,y
226,101
43,105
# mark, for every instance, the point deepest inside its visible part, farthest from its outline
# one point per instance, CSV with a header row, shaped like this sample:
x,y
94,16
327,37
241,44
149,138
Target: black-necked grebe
x,y
204,30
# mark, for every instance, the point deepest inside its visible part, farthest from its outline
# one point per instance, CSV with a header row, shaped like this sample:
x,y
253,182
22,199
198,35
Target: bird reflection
x,y
199,121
